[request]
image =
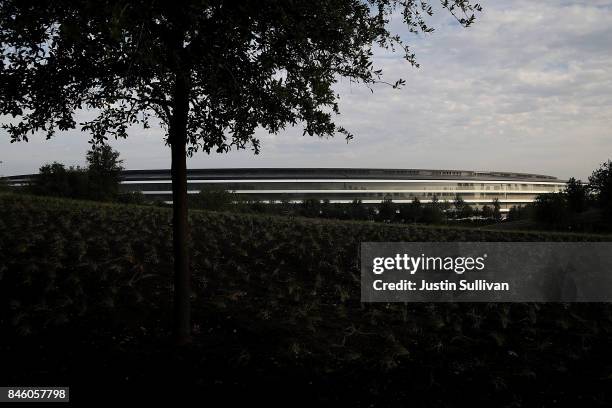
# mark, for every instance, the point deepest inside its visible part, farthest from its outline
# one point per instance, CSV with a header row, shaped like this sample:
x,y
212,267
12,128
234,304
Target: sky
x,y
527,88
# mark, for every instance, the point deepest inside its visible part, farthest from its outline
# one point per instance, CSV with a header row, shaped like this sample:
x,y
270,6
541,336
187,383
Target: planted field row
x,y
281,292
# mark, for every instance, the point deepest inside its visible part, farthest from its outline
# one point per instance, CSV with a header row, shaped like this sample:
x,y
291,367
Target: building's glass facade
x,y
346,185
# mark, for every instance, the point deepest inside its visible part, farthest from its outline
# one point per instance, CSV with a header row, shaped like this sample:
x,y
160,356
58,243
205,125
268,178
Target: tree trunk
x,y
180,226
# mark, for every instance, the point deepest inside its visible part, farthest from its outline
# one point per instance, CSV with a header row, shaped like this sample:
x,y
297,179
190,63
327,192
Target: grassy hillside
x,y
85,298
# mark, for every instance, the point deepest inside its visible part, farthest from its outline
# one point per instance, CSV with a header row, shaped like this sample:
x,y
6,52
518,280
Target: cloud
x,y
526,88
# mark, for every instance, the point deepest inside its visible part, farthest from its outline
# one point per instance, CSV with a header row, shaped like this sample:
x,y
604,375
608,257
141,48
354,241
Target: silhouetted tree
x,y
99,181
486,211
311,208
522,212
386,210
551,209
104,172
576,195
444,206
462,209
496,210
212,72
403,211
56,180
432,212
357,210
327,209
600,184
415,210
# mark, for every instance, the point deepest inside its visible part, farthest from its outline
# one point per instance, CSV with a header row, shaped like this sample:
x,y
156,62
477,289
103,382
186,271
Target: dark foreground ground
x,y
85,302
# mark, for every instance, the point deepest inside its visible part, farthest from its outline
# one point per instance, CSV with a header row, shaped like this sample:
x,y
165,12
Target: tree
x,y
458,203
210,72
311,208
496,210
444,206
467,211
551,209
432,212
56,180
104,172
522,212
326,209
337,211
600,184
99,181
386,210
4,186
486,211
415,210
52,180
462,209
357,211
403,212
576,195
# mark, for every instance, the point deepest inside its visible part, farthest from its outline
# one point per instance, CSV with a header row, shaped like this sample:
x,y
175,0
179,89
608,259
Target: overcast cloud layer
x,y
528,88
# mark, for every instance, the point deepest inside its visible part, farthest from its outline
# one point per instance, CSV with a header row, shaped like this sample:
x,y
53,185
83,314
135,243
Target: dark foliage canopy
x,y
600,184
576,194
104,172
98,181
245,64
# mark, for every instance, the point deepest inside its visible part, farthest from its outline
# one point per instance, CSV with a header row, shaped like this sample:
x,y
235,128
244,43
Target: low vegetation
x,y
86,296
585,207
435,212
98,181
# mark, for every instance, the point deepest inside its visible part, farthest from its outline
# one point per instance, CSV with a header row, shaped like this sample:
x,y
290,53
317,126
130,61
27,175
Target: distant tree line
x,y
99,180
579,207
434,212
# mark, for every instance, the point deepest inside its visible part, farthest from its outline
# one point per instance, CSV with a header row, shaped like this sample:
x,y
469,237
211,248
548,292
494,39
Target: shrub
x,y
58,181
551,209
387,210
213,199
131,197
576,195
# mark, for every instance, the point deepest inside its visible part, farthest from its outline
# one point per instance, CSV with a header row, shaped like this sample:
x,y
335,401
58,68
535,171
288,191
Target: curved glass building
x,y
348,184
